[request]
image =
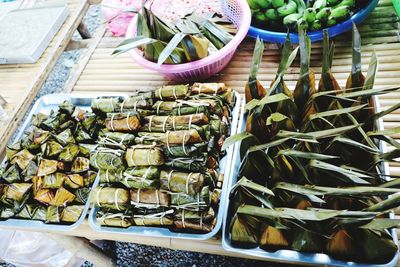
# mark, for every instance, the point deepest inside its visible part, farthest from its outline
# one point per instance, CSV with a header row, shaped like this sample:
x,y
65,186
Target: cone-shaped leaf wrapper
x,y
305,86
254,89
327,81
356,78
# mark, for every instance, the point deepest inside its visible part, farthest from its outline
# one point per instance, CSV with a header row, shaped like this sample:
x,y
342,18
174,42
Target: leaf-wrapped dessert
x,y
153,217
47,173
149,198
318,186
170,137
171,121
181,182
72,214
146,177
122,122
198,202
144,155
107,159
114,219
105,105
209,88
172,92
193,220
110,197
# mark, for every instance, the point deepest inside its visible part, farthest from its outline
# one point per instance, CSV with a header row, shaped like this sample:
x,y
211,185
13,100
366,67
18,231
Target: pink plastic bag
x,y
118,20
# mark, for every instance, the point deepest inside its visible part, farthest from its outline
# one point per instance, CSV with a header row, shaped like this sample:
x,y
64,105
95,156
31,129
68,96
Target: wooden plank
x,y
75,74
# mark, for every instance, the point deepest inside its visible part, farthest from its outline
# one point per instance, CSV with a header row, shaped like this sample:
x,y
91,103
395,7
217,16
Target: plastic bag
x,y
34,249
118,20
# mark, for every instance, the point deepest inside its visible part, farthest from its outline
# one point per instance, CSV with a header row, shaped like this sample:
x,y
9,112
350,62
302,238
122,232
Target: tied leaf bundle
x,y
316,184
47,175
165,174
188,39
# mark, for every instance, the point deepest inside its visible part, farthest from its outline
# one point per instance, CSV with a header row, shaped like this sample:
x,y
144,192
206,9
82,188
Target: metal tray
x,y
286,255
225,167
44,105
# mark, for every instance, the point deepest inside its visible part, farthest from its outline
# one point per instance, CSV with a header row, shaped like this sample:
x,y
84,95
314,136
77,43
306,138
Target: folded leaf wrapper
x,y
62,198
198,202
105,105
209,88
153,218
149,198
105,218
172,120
72,214
172,92
193,220
123,122
181,182
142,155
111,197
170,137
14,195
147,177
108,159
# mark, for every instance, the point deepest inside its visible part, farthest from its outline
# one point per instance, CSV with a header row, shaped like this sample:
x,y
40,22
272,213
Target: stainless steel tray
x,y
285,255
44,105
225,167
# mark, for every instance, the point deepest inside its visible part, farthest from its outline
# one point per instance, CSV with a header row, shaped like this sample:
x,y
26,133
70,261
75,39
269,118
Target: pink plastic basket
x,y
238,12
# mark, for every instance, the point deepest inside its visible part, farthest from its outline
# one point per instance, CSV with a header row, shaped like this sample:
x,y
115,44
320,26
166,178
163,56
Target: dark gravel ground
x,y
127,254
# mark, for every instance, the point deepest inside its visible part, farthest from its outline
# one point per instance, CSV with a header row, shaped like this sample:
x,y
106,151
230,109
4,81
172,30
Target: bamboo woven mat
x,y
19,83
101,73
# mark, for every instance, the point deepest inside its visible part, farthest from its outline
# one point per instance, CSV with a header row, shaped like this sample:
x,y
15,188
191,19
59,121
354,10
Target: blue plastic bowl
x,y
279,37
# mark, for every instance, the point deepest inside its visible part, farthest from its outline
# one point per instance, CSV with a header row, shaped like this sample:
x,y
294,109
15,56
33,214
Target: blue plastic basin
x,y
279,37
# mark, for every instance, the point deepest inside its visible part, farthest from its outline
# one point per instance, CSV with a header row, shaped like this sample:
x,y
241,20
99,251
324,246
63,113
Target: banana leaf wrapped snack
x,y
115,140
172,120
153,217
194,220
107,159
106,218
146,177
198,202
170,137
149,198
123,122
71,214
307,186
209,88
181,182
172,92
134,103
144,155
111,197
47,174
106,105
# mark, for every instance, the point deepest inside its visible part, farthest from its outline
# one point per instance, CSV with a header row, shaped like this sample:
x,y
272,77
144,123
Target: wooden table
x,y
99,72
20,83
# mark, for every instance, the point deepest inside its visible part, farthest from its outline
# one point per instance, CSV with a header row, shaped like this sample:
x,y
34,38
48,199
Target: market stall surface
x,y
99,72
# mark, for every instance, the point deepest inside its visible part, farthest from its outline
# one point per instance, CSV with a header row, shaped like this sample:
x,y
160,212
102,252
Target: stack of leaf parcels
x,y
311,176
159,155
188,39
47,176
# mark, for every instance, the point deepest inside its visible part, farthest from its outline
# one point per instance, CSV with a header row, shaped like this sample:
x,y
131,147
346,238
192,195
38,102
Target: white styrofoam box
x,y
26,33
